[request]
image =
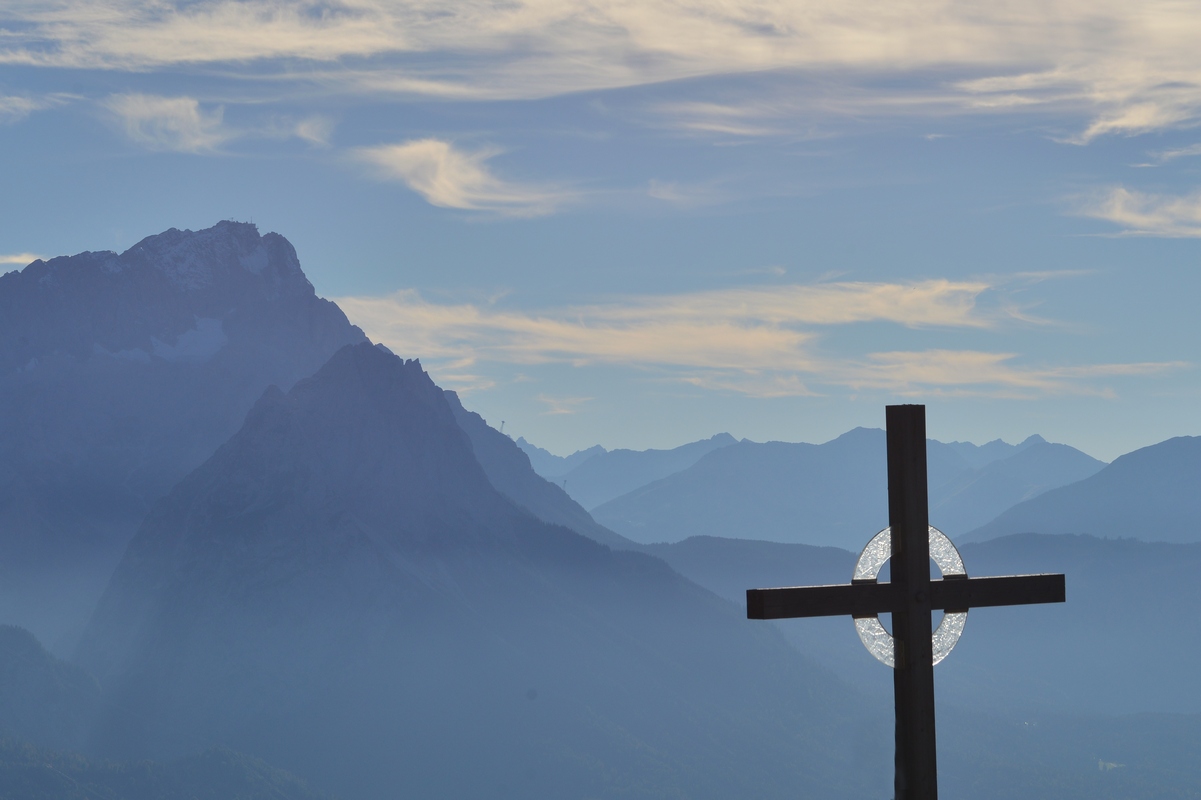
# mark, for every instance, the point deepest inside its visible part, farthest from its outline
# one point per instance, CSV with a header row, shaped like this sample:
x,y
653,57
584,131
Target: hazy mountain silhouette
x,y
549,465
977,497
341,591
43,700
611,474
1149,494
508,468
47,709
1123,643
119,374
832,494
978,456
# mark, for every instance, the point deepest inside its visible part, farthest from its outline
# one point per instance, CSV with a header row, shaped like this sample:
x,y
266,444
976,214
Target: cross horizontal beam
x,y
871,599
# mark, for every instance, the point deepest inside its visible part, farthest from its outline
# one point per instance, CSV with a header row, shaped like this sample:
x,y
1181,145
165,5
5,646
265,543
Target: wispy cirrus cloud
x,y
1145,213
450,177
1120,68
183,124
756,341
14,108
169,123
970,373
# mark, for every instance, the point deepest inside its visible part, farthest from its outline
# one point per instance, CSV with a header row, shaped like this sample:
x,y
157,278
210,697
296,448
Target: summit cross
x,y
910,597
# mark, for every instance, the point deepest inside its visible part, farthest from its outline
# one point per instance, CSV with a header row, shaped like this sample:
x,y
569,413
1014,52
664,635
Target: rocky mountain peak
x,y
194,260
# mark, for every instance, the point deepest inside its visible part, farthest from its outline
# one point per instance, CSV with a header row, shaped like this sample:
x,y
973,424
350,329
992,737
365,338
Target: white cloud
x,y
169,123
20,259
1121,67
452,178
757,341
315,130
1147,214
14,108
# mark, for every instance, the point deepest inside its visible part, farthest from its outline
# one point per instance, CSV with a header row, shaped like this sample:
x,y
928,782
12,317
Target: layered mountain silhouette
x,y
1149,494
549,465
1035,466
831,494
341,591
119,374
613,473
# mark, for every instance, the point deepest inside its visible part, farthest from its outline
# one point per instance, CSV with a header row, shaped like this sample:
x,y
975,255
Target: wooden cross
x,y
910,597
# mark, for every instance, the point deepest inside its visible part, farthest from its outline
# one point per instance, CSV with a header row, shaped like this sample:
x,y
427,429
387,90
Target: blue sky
x,y
638,224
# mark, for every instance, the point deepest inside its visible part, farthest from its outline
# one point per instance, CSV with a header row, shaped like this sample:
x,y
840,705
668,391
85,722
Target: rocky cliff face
x,y
119,374
341,591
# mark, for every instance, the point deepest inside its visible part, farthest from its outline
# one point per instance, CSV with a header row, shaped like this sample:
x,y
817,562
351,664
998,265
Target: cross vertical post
x,y
913,675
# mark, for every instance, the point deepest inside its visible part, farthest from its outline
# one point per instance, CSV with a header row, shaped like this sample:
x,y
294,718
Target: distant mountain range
x,y
833,493
1150,494
609,474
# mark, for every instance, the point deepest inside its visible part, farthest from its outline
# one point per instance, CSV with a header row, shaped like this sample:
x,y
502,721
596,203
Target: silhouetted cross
x,y
910,598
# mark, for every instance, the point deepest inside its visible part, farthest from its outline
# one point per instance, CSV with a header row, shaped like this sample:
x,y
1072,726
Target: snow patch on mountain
x,y
194,346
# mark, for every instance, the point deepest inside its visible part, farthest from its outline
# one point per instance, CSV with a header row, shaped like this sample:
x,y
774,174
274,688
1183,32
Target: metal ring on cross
x,y
878,641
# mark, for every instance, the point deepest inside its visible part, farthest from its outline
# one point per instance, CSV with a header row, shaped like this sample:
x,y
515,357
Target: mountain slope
x,y
119,374
613,473
1149,494
43,700
341,591
508,468
833,494
979,496
549,465
827,494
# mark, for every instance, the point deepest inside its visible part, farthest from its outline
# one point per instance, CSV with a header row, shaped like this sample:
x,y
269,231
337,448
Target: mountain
x,y
1149,494
43,700
611,474
979,456
832,494
549,465
827,494
977,497
508,469
341,591
119,374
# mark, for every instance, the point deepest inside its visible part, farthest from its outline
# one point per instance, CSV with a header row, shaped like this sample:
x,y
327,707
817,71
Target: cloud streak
x,y
20,259
1124,68
1147,214
449,177
761,342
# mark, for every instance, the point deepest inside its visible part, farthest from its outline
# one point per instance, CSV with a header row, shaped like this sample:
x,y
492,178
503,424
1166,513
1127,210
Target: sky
x,y
642,223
